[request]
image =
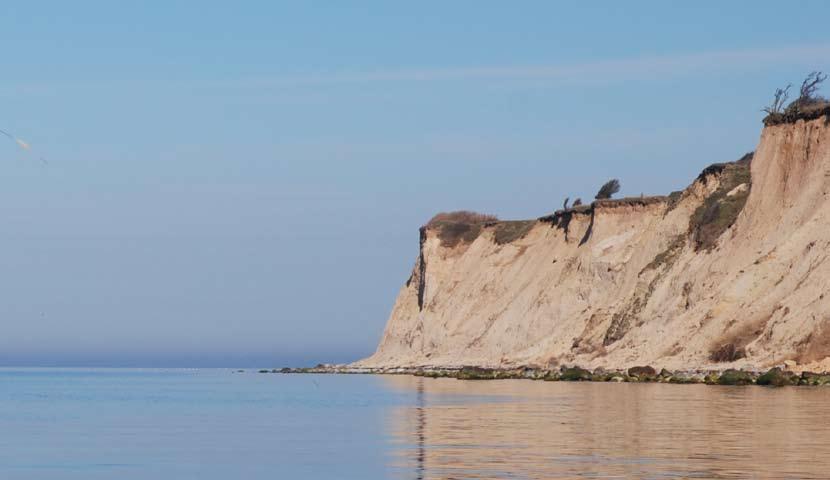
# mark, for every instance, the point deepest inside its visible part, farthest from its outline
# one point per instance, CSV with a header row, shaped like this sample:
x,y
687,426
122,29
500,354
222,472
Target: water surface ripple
x,y
219,424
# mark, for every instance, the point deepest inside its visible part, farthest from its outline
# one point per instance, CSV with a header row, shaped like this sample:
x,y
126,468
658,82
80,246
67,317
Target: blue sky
x,y
241,183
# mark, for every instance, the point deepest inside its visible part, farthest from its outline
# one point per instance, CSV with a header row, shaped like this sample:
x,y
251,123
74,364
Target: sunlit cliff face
x,y
732,272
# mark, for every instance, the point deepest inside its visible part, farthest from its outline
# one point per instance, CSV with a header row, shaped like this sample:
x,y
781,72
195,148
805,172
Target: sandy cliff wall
x,y
643,281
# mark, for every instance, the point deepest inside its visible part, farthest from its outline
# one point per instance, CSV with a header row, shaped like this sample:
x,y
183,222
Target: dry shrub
x,y
731,346
728,352
808,106
806,112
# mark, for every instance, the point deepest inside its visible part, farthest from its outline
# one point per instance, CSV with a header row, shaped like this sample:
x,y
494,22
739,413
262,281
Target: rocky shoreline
x,y
777,377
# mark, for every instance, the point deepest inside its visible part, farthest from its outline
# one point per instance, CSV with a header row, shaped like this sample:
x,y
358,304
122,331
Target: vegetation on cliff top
x,y
709,221
506,232
460,216
465,226
808,106
459,226
608,189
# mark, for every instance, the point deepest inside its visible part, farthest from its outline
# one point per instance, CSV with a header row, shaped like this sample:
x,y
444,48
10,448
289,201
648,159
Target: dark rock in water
x,y
575,374
265,371
682,378
643,373
602,375
776,377
532,373
477,373
814,379
735,377
665,373
551,376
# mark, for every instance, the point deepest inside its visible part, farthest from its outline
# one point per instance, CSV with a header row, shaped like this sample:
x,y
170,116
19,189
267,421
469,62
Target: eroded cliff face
x,y
730,273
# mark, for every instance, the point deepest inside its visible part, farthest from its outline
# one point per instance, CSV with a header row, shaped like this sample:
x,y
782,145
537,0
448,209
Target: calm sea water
x,y
217,424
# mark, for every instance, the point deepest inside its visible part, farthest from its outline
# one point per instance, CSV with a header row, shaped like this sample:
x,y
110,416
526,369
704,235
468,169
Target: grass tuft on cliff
x,y
509,231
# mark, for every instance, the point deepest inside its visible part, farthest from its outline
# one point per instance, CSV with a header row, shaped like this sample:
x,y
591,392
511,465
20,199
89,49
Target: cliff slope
x,y
732,272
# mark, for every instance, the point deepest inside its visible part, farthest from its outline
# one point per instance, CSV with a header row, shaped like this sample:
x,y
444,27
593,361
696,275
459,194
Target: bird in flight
x,y
22,144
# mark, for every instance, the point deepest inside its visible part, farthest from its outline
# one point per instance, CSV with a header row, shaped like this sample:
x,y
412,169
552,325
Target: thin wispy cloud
x,y
608,70
810,56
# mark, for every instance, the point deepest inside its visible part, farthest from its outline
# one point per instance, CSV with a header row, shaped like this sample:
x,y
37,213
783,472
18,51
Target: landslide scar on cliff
x,y
667,256
719,210
732,345
623,319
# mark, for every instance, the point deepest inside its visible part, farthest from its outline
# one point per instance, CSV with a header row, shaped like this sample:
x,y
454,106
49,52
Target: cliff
x,y
731,272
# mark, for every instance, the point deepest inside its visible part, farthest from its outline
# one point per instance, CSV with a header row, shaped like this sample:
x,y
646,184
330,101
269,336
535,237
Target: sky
x,y
241,183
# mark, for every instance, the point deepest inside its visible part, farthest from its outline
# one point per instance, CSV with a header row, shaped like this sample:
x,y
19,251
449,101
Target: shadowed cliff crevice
x,y
561,219
590,228
422,269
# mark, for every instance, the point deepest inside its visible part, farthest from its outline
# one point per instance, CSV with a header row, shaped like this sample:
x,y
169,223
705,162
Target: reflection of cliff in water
x,y
524,429
420,429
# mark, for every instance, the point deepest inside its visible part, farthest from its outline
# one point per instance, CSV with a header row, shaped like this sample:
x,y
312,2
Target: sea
x,y
211,424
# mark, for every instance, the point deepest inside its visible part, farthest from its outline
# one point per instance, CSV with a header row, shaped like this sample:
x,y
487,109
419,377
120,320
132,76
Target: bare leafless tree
x,y
608,189
577,202
565,203
778,101
810,86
